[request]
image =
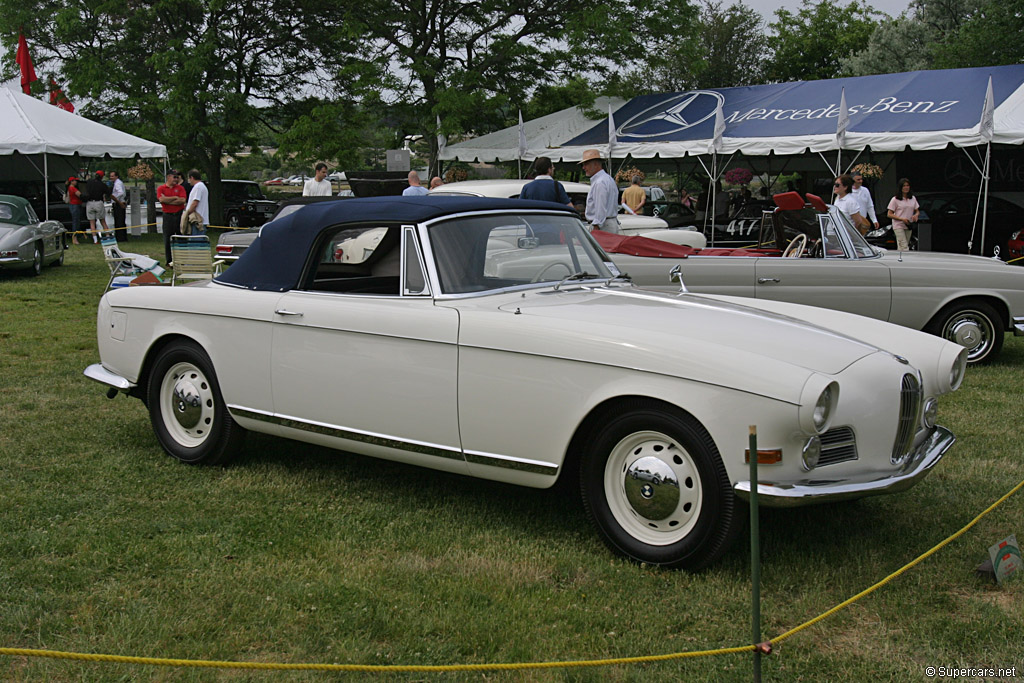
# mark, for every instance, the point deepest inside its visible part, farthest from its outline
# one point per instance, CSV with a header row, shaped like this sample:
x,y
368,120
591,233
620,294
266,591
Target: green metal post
x,y
755,556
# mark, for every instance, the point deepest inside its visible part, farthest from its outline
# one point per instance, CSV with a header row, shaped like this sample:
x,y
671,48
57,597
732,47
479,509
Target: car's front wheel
x,y
233,220
973,324
655,487
186,409
37,260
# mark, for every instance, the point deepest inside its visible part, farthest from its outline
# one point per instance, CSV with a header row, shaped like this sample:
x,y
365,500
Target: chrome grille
x,y
837,445
910,416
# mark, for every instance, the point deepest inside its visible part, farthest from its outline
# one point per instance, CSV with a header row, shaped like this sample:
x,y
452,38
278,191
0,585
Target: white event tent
x,y
37,135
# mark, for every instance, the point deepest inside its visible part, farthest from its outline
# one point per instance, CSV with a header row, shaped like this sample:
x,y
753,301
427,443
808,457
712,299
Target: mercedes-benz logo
x,y
676,113
958,173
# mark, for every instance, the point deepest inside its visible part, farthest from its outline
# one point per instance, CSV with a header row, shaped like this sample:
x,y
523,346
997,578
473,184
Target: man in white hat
x,y
603,199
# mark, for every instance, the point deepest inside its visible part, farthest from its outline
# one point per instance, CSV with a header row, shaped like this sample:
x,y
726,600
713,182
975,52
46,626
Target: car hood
x,y
688,336
936,259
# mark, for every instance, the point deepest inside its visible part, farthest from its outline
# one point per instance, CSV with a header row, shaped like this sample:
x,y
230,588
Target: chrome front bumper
x,y
100,374
809,491
1018,327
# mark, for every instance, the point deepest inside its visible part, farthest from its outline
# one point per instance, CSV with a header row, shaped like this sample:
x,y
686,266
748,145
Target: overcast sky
x,y
766,8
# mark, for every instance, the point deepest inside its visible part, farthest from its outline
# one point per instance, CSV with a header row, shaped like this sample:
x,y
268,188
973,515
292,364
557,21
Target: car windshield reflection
x,y
483,253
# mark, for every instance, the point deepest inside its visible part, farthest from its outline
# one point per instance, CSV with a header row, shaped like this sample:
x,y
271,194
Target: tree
x,y
811,44
989,37
901,44
196,75
727,49
474,64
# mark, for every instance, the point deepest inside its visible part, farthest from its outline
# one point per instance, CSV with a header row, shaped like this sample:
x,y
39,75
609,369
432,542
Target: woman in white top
x,y
903,209
848,204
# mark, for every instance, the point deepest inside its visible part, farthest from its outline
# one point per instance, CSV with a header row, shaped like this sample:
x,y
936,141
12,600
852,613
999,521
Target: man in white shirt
x,y
318,185
119,202
863,196
198,203
414,189
603,198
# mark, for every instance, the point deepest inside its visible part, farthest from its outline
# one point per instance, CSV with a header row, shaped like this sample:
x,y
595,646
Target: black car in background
x,y
32,190
232,244
245,204
947,220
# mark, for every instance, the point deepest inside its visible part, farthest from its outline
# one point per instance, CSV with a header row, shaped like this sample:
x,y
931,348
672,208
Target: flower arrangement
x,y
869,171
625,175
738,176
140,171
455,174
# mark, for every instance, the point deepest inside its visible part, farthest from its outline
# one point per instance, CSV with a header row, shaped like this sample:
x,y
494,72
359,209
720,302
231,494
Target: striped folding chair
x,y
192,259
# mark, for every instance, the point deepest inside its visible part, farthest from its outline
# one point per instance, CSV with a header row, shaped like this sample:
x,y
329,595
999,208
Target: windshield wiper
x,y
582,275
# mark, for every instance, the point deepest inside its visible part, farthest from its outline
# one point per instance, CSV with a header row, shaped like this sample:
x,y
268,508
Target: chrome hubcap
x,y
651,488
187,403
971,330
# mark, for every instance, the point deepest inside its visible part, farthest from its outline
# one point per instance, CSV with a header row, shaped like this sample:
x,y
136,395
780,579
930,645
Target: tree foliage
x,y
812,43
474,64
727,49
196,75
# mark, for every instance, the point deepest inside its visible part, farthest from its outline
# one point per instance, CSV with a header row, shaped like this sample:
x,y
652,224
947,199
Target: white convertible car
x,y
444,332
650,227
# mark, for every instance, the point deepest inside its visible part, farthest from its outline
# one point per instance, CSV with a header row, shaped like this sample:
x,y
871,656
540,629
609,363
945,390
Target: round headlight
x,y
811,453
823,408
931,411
956,373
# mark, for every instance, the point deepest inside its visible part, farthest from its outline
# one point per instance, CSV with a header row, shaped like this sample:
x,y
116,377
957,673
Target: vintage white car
x,y
812,255
651,227
428,342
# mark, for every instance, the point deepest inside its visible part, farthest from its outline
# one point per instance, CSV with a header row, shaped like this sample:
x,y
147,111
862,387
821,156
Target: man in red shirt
x,y
171,196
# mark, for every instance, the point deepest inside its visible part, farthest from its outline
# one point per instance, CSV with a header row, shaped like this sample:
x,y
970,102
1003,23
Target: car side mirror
x,y
676,275
528,242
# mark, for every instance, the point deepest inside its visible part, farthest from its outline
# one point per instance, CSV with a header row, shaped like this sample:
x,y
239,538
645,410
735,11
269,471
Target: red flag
x,y
58,99
28,72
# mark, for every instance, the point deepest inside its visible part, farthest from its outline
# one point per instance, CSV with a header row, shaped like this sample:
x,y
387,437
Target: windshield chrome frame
x,y
845,229
431,263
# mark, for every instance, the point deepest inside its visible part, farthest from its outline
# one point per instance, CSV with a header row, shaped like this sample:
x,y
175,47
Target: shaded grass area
x,y
295,553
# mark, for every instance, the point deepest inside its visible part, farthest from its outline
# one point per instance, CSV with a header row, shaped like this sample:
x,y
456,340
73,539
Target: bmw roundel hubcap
x,y
653,488
187,404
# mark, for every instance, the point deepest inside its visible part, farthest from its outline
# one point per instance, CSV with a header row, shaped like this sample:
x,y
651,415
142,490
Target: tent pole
x,y
984,211
982,189
46,184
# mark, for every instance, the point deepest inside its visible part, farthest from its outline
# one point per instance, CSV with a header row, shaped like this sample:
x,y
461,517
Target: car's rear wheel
x,y
233,220
656,489
973,324
186,409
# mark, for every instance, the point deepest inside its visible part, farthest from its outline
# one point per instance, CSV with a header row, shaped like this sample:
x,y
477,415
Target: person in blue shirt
x,y
544,187
603,199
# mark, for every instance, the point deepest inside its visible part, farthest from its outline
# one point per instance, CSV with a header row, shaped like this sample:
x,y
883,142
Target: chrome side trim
x,y
519,464
808,491
348,434
1018,326
100,374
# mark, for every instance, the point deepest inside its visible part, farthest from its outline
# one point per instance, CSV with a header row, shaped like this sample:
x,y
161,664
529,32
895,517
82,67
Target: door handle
x,y
282,311
765,280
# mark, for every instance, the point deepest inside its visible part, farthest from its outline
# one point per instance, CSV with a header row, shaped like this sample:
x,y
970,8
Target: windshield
x,y
841,221
482,253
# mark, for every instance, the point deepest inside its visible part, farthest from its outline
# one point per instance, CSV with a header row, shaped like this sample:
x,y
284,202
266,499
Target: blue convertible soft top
x,y
274,262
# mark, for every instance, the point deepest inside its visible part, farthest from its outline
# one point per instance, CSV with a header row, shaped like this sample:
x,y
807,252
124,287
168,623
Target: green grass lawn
x,y
295,553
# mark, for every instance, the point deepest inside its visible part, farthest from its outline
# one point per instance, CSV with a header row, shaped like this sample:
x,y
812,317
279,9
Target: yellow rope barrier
x,y
508,666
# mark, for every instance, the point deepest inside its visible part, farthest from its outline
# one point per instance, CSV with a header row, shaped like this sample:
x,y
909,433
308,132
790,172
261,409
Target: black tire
x,y
37,260
233,220
60,259
973,324
655,488
186,409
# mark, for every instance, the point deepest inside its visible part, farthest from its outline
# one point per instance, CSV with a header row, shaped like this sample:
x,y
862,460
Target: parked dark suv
x,y
245,204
